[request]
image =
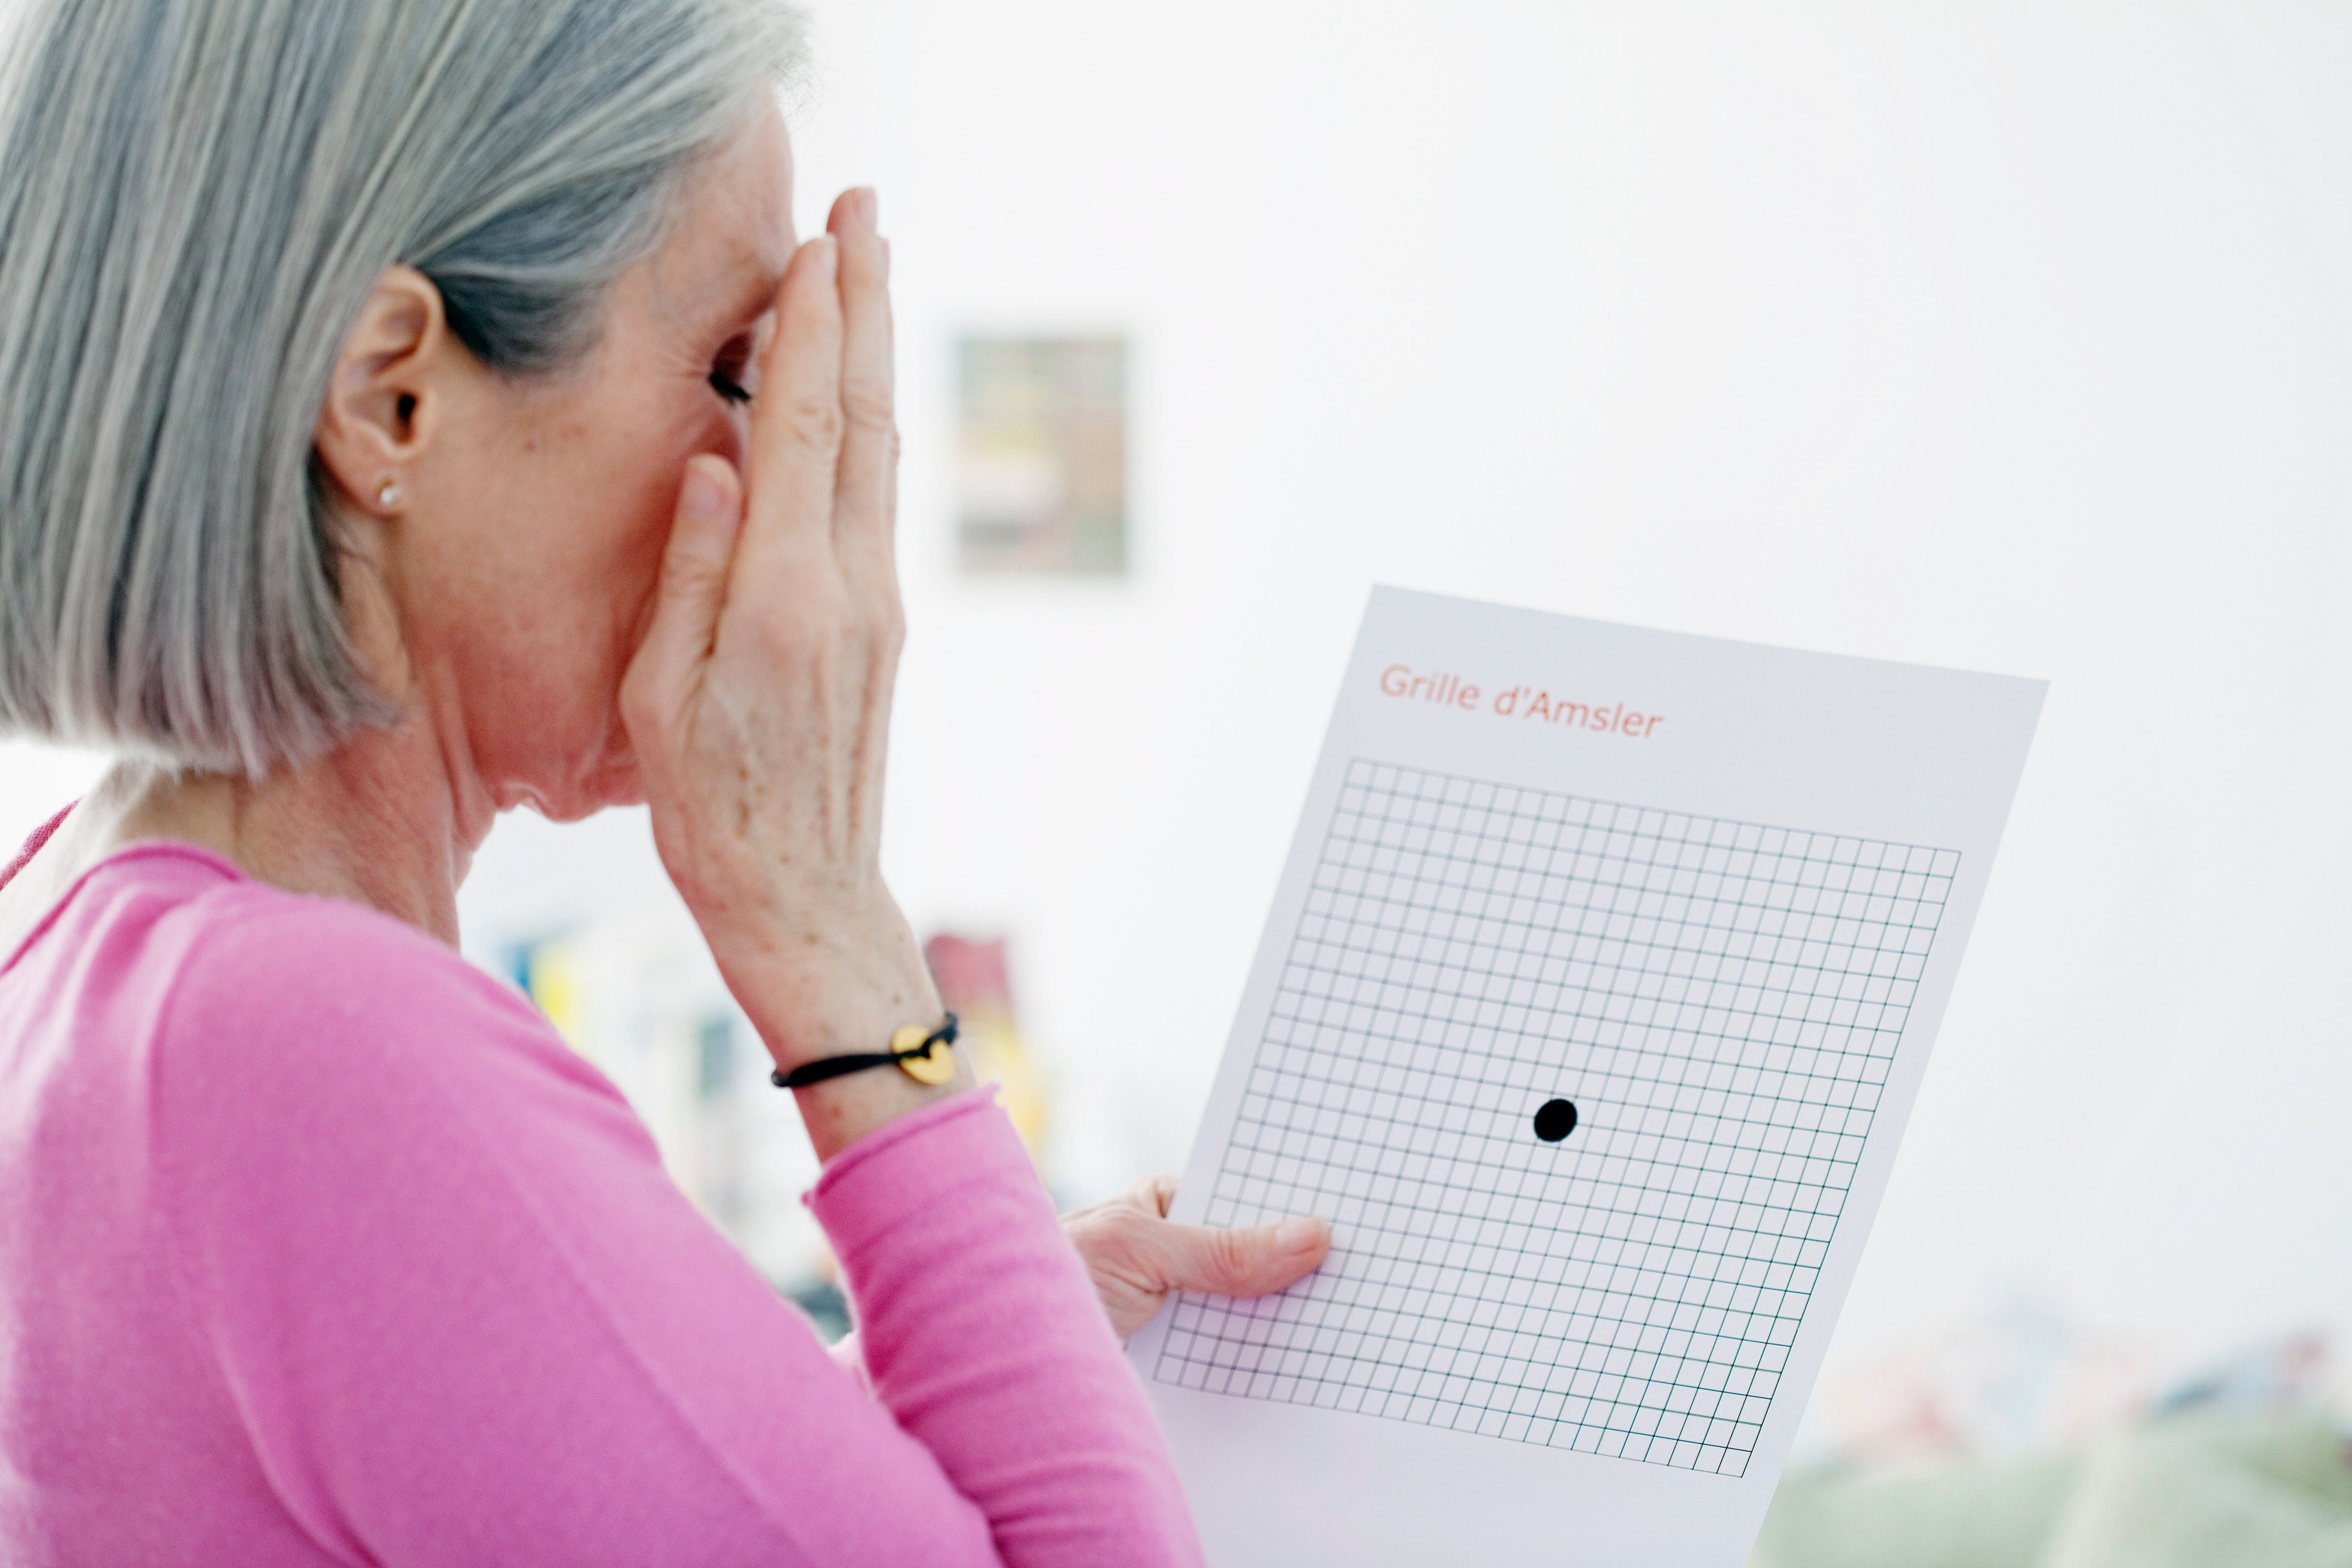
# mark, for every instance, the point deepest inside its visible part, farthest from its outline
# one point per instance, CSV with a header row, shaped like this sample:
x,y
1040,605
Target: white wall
x,y
2014,337
36,780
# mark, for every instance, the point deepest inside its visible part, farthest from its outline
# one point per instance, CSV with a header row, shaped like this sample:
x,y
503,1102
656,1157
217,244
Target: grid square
x,y
1720,1000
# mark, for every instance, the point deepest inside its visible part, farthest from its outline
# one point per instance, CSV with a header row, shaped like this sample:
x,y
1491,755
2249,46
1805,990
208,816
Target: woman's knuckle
x,y
1124,1228
866,401
816,423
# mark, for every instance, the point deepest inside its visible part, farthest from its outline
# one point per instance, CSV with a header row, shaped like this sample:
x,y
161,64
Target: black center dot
x,y
1554,1120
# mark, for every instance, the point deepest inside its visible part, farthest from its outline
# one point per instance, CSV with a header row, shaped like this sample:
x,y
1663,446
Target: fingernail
x,y
701,499
1303,1235
870,204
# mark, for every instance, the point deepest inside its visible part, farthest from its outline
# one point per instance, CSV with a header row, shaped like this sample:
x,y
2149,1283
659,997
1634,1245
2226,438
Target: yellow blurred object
x,y
973,984
551,977
999,1058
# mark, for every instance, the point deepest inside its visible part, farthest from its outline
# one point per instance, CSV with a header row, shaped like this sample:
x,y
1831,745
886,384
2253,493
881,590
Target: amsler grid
x,y
1582,1085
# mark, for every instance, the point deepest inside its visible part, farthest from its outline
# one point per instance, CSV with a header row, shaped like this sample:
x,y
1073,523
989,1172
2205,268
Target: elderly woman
x,y
410,410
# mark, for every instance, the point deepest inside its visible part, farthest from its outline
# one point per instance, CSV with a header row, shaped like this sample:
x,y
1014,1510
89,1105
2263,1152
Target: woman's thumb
x,y
1247,1260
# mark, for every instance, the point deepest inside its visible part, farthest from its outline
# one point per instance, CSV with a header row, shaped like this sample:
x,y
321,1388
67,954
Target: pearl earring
x,y
388,493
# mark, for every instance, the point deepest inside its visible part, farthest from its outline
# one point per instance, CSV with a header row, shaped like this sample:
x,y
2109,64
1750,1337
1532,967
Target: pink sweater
x,y
317,1245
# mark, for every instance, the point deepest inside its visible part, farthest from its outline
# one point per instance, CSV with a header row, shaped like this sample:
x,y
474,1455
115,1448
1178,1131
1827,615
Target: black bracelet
x,y
818,1071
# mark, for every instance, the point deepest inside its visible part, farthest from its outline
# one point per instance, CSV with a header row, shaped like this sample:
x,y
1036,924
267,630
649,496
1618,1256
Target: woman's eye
x,y
730,376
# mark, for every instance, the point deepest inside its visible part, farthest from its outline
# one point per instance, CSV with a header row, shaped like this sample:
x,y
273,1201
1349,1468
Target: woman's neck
x,y
383,820
390,818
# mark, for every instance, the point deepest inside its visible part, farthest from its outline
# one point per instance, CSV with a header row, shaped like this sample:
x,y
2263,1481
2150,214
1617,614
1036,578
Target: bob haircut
x,y
197,197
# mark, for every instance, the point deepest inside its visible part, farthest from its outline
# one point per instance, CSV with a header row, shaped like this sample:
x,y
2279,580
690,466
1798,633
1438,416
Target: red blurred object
x,y
970,974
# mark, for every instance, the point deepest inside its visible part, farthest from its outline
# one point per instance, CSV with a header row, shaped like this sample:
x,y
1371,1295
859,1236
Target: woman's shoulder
x,y
320,946
257,961
315,1042
290,1003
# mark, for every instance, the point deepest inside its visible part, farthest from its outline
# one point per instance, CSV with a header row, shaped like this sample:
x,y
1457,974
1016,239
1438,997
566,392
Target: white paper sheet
x,y
1710,895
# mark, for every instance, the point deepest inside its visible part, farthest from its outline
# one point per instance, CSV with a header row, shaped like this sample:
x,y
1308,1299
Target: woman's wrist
x,y
840,1110
844,990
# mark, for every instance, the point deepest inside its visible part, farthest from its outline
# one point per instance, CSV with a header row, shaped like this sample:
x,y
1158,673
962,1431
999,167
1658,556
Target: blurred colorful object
x,y
2019,1379
2023,1440
2024,1378
1042,456
2187,1491
2287,1373
973,984
640,997
548,974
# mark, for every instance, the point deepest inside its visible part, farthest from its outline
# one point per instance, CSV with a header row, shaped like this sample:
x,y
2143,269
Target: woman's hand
x,y
1136,1255
759,703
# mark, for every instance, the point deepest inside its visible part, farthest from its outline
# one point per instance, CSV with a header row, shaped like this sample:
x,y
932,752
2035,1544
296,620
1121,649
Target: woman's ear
x,y
383,401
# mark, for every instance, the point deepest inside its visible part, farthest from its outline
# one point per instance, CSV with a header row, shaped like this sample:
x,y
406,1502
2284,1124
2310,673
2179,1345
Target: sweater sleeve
x,y
977,1321
466,1318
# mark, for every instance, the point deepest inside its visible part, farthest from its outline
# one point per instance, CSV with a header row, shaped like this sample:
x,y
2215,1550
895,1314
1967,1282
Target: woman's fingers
x,y
863,505
797,422
1153,1194
692,590
1135,1257
825,424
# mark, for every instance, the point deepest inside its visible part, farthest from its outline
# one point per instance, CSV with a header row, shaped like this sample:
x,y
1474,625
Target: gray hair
x,y
196,198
